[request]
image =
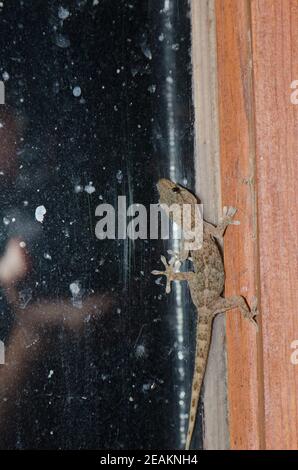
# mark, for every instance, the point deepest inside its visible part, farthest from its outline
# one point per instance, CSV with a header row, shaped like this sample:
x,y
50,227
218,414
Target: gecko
x,y
206,284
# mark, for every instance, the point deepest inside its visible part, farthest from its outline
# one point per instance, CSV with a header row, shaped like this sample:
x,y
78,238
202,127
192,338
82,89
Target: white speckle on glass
x,y
77,91
63,13
40,212
170,80
5,76
62,41
89,188
25,296
47,256
180,355
22,244
75,288
161,37
6,221
78,188
152,88
146,51
77,294
51,373
140,351
119,176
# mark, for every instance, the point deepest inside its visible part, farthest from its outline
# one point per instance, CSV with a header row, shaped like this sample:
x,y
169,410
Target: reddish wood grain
x,y
259,157
275,61
237,145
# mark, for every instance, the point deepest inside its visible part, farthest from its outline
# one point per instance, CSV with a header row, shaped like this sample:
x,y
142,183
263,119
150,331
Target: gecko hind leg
x,y
223,304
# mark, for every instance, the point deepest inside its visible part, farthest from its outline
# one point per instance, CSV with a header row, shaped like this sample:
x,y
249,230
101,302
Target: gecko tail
x,y
203,338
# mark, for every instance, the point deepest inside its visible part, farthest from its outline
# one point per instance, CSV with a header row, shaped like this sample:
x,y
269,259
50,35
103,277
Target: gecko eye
x,y
176,189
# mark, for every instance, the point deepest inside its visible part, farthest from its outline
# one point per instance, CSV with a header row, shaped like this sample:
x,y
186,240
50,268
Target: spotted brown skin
x,y
206,284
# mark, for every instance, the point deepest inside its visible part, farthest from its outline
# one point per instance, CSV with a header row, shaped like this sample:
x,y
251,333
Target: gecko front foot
x,y
169,272
172,274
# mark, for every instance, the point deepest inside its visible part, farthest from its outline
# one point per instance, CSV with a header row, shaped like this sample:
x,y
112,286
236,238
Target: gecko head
x,y
173,193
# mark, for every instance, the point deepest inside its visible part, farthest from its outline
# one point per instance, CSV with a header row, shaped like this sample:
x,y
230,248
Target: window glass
x,y
98,104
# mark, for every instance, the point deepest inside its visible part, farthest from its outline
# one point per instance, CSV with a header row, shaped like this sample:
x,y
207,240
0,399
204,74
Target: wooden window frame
x,y
256,52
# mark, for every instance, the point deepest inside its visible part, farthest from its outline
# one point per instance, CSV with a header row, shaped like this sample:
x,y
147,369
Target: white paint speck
x,y
63,13
119,176
40,212
152,89
89,188
77,91
76,293
5,76
51,373
140,351
62,41
75,288
78,188
146,51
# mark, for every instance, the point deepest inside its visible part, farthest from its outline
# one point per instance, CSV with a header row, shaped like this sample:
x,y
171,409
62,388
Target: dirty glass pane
x,y
98,104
